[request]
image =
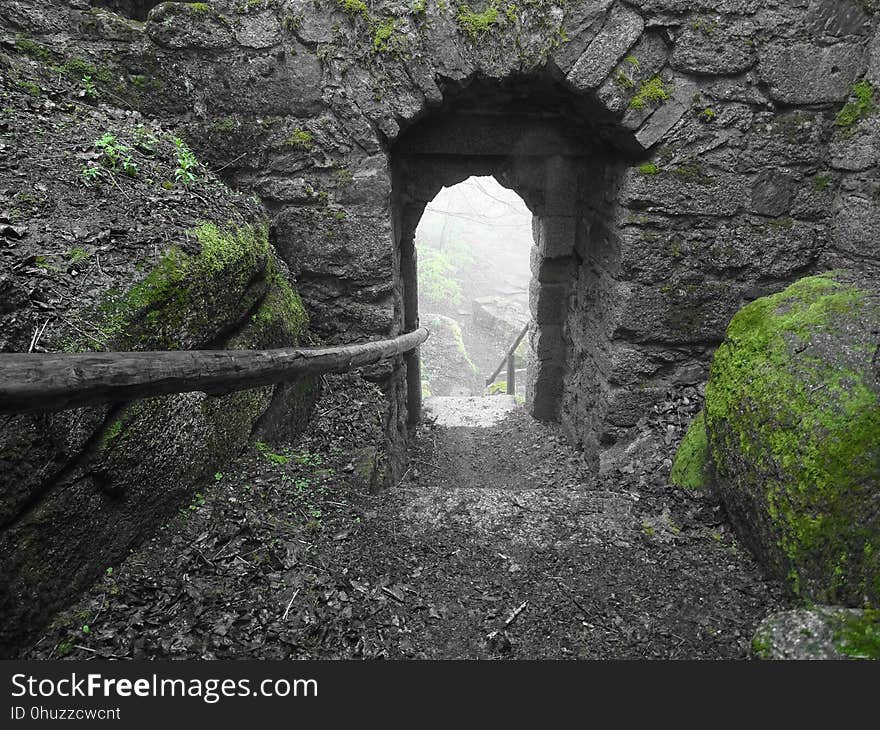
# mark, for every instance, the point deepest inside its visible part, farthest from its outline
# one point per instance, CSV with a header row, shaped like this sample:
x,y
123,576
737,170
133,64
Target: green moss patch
x,y
860,107
651,93
858,635
691,466
476,25
186,298
793,421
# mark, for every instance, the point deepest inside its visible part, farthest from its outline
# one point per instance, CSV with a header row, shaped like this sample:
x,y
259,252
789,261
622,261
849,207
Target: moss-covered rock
x,y
821,632
691,468
793,427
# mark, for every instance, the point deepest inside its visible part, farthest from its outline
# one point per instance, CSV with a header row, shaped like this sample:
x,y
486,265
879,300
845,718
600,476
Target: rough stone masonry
x,y
680,158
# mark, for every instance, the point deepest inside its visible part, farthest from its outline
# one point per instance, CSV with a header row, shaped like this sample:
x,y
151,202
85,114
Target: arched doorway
x,y
473,245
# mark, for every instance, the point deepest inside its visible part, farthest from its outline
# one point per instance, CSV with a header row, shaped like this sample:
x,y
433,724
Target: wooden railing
x,y
510,360
56,381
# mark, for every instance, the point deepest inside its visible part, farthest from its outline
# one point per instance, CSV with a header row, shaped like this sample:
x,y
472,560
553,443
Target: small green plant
x,y
77,255
89,88
29,87
860,107
708,115
649,168
476,25
858,636
624,81
300,139
354,8
91,173
64,648
109,571
651,92
218,476
115,155
418,7
277,459
821,182
187,164
86,629
499,387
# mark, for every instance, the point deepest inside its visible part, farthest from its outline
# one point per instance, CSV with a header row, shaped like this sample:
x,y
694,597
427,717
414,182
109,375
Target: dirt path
x,y
498,543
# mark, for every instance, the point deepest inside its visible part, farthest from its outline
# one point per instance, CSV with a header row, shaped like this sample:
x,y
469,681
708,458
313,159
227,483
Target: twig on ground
x,y
38,333
289,604
516,612
570,595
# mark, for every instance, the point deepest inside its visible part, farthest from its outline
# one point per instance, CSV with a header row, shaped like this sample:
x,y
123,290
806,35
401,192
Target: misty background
x,y
473,246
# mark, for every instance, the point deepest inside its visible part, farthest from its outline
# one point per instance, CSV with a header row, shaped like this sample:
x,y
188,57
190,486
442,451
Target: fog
x,y
473,246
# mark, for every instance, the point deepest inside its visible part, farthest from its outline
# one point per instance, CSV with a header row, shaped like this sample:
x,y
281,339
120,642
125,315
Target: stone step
x,y
537,518
468,412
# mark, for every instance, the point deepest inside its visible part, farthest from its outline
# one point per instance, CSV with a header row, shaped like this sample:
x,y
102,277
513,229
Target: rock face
x,y
822,632
447,370
792,418
107,245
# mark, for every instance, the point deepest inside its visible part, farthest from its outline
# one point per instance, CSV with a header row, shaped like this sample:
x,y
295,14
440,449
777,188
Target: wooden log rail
x,y
55,381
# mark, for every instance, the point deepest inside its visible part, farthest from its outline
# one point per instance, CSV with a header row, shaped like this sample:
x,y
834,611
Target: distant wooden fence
x,y
55,381
510,360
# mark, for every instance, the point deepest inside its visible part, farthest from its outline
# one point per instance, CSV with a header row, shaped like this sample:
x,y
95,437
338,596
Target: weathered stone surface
x,y
708,47
772,193
447,369
803,73
820,632
664,118
620,32
793,425
189,25
685,189
502,316
856,239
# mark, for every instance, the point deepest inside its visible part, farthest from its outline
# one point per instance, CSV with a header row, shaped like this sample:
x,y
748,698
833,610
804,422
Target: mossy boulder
x,y
820,632
793,430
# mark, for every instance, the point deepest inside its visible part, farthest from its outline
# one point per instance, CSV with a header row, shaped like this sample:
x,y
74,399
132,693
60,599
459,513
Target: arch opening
x,y
473,244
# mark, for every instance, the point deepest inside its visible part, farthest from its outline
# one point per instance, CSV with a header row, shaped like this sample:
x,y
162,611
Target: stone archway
x,y
557,152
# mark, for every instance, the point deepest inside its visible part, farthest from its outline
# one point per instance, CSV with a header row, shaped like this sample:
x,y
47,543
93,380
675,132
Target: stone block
x,y
806,73
620,32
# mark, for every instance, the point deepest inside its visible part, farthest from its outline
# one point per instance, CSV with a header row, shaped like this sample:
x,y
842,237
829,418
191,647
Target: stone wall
x,y
711,164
